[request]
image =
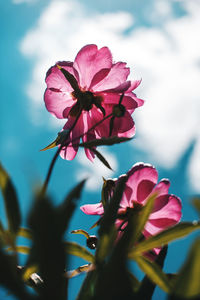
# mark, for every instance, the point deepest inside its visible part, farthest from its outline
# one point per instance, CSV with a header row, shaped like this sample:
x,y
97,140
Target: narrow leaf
x,y
66,209
77,250
101,158
154,272
79,270
187,283
141,217
70,78
10,200
81,231
164,237
104,142
147,287
107,230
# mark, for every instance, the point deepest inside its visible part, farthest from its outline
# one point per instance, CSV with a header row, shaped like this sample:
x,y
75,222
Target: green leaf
x,y
107,229
147,287
140,218
20,249
187,284
164,237
77,250
101,158
10,278
10,200
66,209
105,142
25,232
134,281
154,272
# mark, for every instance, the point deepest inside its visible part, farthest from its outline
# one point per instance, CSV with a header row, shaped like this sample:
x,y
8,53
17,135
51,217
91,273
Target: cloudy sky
x,y
160,42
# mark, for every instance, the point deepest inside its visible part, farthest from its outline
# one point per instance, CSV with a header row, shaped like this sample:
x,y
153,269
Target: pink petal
x,y
55,78
112,98
90,61
56,102
138,173
166,207
134,85
144,189
120,88
117,75
99,76
57,96
162,187
70,151
123,124
93,209
126,197
128,134
151,229
139,101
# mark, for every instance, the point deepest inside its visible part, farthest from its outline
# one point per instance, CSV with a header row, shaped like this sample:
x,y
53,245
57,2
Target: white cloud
x,y
167,59
95,171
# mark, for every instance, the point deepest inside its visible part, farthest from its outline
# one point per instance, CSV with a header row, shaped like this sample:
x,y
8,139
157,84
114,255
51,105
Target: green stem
x,y
44,188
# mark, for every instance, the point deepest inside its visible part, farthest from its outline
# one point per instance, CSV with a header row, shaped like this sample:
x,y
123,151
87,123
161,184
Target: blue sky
x,y
159,41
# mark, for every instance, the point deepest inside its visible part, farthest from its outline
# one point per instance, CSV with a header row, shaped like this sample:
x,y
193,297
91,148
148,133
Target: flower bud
x,y
92,242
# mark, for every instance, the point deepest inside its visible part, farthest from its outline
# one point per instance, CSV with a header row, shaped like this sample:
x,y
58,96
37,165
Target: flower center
x,y
85,101
124,215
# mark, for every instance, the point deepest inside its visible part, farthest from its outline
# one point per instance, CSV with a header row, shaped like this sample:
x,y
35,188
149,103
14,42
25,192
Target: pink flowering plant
x,y
137,217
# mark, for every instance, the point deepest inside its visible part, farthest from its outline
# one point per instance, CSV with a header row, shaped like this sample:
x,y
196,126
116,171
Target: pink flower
x,y
100,83
142,181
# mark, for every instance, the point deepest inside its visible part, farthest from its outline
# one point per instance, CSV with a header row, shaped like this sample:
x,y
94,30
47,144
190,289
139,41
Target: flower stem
x,y
94,126
44,188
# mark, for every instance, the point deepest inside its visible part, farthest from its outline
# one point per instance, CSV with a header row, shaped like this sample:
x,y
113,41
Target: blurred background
x,y
160,42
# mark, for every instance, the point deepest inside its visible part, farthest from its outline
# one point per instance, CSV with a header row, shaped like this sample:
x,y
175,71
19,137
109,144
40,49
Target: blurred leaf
x,y
20,249
10,200
88,287
77,250
107,229
178,231
105,244
140,218
101,158
10,279
134,282
187,283
25,232
104,142
154,272
48,224
147,287
48,251
65,210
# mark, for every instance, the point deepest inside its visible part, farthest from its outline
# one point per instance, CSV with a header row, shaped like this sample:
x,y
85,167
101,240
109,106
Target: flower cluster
x,y
94,96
